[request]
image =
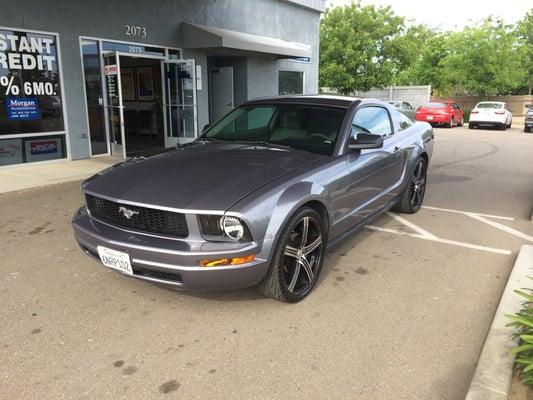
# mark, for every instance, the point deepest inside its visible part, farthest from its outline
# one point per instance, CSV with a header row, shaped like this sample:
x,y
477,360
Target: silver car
x,y
259,197
404,107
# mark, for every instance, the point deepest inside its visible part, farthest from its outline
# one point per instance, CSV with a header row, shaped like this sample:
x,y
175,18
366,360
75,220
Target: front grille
x,y
141,219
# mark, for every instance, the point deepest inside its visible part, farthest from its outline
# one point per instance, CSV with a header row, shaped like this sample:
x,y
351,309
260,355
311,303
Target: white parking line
x,y
501,227
467,213
414,227
439,240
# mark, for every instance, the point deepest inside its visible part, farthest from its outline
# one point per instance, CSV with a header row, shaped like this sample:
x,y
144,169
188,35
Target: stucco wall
x,y
107,18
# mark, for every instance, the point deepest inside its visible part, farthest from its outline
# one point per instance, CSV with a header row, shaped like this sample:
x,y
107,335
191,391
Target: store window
x,y
291,82
92,71
30,98
30,92
32,149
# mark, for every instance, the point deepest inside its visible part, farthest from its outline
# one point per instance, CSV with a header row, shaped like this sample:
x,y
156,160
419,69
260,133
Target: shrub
x,y
522,321
467,114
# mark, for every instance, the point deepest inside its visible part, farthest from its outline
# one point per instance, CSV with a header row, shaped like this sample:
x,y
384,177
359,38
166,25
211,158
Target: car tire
x,y
293,272
503,126
462,122
510,124
471,126
527,129
413,195
450,124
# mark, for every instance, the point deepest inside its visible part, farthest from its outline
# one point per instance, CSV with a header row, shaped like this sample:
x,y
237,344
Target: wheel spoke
x,y
312,246
419,170
305,230
307,268
291,251
295,276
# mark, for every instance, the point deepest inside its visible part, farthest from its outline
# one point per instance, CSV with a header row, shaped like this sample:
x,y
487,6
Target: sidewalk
x,y
28,176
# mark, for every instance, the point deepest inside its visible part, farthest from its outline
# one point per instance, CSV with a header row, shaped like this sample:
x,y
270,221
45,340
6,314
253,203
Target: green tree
x,y
483,60
360,47
525,36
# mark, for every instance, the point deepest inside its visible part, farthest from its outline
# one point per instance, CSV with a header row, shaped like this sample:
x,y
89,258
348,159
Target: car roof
x,y
325,100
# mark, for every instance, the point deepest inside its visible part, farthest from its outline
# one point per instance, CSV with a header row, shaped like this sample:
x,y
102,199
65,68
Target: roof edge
x,y
313,5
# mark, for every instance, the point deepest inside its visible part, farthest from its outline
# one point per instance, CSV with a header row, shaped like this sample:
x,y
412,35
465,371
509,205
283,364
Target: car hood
x,y
210,176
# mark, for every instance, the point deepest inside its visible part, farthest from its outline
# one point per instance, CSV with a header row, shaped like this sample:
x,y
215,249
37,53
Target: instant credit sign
x,y
30,84
23,109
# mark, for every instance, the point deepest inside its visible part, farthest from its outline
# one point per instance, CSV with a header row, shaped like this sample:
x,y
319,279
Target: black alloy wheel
x,y
413,196
297,258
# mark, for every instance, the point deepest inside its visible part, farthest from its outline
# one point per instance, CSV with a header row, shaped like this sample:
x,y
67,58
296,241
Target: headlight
x,y
232,227
224,227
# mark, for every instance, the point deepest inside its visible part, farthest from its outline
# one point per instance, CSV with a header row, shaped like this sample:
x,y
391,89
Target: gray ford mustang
x,y
258,198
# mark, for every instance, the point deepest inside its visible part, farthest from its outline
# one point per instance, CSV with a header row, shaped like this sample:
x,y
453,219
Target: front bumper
x,y
174,262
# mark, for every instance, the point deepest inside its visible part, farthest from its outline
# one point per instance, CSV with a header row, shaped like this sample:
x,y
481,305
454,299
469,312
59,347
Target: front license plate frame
x,y
114,259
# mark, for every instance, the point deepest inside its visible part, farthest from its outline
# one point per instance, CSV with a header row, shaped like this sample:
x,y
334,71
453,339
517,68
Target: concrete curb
x,y
493,374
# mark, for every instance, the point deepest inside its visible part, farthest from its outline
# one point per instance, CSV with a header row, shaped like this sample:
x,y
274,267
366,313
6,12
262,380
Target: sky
x,y
450,14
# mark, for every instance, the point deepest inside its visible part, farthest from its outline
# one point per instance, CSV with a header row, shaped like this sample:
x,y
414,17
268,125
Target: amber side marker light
x,y
227,261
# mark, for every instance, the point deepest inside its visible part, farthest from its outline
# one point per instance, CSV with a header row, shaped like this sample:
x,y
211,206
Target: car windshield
x,y
489,105
304,127
435,105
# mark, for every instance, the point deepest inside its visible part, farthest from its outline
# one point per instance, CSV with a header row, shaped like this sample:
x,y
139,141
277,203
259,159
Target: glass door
x,y
181,112
114,105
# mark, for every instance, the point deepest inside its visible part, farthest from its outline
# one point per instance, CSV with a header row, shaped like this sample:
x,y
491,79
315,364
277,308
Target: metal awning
x,y
195,36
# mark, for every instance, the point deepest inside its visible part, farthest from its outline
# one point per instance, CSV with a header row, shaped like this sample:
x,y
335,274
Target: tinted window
x,y
373,120
407,106
311,128
489,105
291,82
435,105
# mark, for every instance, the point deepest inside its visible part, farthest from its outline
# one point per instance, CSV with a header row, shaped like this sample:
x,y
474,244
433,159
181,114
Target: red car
x,y
446,112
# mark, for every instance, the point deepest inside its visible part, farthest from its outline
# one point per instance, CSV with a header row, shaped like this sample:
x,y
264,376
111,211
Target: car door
x,y
374,174
458,113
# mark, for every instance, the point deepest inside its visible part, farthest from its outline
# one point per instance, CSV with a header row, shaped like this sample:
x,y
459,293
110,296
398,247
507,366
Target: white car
x,y
491,113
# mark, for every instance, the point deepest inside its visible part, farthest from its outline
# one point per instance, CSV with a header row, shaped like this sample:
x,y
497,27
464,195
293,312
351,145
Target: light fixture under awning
x,y
196,36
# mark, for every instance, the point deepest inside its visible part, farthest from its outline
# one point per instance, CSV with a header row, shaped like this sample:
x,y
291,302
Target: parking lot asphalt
x,y
400,312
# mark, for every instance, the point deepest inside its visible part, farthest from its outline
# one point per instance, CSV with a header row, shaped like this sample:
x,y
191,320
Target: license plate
x,y
430,117
115,259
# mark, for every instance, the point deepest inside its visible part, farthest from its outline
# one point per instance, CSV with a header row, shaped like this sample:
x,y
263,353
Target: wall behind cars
x,y
517,104
415,95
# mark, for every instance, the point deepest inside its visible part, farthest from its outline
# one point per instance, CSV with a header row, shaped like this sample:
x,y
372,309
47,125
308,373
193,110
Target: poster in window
x,y
10,151
30,85
145,84
128,84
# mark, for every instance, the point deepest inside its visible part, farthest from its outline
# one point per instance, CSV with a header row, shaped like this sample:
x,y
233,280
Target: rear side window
x,y
403,121
374,120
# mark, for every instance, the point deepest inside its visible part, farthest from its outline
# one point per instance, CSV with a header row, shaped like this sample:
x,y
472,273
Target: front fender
x,y
292,199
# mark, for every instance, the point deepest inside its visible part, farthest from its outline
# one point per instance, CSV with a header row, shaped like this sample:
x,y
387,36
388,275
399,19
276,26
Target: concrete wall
x,y
517,104
415,95
107,18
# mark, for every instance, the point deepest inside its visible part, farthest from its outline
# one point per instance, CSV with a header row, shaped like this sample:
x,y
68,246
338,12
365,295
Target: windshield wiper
x,y
267,144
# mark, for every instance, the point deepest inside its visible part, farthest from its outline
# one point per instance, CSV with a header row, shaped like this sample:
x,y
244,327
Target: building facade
x,y
125,78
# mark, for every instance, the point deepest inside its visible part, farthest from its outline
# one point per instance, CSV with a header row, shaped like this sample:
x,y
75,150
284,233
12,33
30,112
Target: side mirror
x,y
205,127
366,141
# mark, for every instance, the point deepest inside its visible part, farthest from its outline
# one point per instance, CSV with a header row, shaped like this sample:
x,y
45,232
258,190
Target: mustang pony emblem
x,y
127,213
